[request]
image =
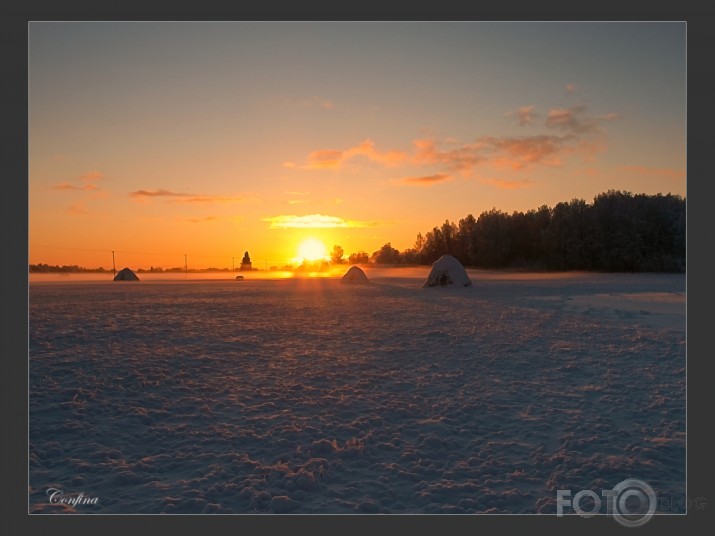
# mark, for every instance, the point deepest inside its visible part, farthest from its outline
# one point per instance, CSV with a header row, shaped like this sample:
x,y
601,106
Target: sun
x,y
312,249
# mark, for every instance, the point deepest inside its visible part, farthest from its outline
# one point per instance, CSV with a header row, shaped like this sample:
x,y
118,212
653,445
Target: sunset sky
x,y
208,139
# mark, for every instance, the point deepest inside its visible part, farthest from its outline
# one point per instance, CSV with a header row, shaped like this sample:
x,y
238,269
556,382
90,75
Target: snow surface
x,y
447,271
308,396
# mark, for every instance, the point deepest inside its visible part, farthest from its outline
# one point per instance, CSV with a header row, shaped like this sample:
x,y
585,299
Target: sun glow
x,y
311,250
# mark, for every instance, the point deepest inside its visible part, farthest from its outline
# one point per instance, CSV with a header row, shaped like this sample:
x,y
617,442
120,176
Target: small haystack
x,y
126,275
447,271
355,276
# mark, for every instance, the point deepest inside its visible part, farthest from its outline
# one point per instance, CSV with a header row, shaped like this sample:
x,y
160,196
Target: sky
x,y
207,139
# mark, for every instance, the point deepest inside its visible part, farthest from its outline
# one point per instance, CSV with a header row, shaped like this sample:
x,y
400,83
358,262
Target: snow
x,y
294,396
447,271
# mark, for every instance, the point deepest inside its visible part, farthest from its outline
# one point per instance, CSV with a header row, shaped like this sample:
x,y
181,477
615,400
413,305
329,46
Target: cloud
x,y
525,115
571,89
505,184
577,133
674,174
325,104
179,197
87,182
426,181
68,186
78,209
336,158
91,176
314,221
572,120
156,193
519,152
205,219
462,158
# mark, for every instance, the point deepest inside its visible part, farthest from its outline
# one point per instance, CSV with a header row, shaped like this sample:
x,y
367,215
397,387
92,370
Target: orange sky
x,y
208,139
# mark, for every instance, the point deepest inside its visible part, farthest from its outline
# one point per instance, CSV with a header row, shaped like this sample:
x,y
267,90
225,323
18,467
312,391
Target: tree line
x,y
618,232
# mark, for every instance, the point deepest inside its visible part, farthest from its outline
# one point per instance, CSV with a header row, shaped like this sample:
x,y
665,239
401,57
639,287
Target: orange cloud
x,y
674,174
324,159
91,176
78,209
318,101
313,221
571,89
462,158
426,181
68,186
518,153
335,158
571,120
184,197
525,115
505,184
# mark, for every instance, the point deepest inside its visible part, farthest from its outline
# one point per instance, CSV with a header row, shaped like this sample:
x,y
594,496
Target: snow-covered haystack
x,y
355,276
126,275
447,271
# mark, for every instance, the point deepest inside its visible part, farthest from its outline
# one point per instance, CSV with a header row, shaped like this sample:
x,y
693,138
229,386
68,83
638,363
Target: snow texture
x,y
294,396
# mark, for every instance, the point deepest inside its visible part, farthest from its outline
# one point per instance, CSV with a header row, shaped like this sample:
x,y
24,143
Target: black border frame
x,y
13,35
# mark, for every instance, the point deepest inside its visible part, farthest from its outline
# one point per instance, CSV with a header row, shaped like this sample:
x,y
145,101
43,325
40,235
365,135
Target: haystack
x,y
126,275
355,276
447,271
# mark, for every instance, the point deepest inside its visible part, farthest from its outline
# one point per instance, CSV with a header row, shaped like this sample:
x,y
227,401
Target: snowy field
x,y
307,396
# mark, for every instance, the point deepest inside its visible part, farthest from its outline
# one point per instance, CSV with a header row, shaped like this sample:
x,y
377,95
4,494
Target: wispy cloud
x,y
86,182
674,174
181,197
68,186
336,158
519,152
91,176
320,102
83,183
78,209
428,180
571,88
525,115
565,132
462,158
314,221
157,193
505,184
572,120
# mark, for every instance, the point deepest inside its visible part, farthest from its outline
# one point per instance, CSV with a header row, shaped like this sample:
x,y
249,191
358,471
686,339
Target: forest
x,y
618,232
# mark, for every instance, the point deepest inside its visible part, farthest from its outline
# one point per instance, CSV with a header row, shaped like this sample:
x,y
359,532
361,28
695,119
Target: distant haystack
x,y
447,271
355,276
126,275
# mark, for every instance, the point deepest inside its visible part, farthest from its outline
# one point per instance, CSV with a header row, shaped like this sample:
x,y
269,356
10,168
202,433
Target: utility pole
x,y
114,266
186,266
233,264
